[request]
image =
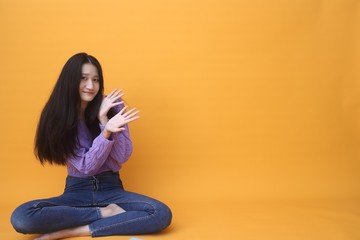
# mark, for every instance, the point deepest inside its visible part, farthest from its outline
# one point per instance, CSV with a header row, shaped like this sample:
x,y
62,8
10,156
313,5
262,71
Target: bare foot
x,y
73,232
108,211
111,210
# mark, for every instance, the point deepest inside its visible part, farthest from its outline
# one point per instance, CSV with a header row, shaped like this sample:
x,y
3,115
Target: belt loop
x,y
95,182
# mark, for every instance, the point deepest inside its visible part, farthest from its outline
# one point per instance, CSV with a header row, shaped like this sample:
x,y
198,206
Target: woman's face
x,y
89,84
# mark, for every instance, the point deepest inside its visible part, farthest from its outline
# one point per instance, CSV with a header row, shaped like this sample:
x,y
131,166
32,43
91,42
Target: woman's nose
x,y
89,84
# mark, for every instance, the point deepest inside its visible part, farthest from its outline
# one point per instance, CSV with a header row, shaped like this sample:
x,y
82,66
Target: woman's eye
x,y
96,80
83,78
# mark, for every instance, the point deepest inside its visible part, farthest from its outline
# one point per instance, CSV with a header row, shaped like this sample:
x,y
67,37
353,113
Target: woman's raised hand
x,y
116,123
107,103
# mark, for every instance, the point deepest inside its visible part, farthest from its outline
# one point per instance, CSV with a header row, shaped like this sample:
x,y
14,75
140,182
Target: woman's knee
x,y
164,216
20,219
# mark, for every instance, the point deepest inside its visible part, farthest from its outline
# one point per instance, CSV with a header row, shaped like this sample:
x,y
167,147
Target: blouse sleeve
x,y
121,150
89,160
122,147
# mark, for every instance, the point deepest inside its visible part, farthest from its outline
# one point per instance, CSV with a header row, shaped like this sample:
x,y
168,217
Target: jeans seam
x,y
98,212
91,229
94,231
36,205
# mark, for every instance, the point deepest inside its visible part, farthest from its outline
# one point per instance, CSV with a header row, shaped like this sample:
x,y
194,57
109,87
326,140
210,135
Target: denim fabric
x,y
80,204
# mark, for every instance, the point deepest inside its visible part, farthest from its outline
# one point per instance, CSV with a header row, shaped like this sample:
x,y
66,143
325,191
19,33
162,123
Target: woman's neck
x,y
82,110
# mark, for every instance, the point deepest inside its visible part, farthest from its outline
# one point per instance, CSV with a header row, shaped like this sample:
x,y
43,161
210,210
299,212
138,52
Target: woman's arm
x,y
122,148
89,158
117,129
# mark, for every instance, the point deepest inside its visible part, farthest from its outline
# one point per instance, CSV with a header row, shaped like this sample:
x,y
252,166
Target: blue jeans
x,y
80,204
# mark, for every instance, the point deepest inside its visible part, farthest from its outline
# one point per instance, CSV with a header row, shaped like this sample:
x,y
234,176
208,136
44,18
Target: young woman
x,y
81,128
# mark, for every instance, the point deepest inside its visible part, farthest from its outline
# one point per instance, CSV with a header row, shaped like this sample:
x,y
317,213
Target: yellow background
x,y
249,109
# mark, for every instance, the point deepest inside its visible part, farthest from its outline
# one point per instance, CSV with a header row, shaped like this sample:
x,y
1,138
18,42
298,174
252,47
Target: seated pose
x,y
81,128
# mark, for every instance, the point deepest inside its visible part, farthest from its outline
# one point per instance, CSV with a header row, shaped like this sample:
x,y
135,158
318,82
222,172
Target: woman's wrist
x,y
103,120
106,133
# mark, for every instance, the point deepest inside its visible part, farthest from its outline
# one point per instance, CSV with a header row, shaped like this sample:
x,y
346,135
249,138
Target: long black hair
x,y
56,135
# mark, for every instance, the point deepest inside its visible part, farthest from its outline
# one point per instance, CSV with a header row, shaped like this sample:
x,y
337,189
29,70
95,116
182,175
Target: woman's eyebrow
x,y
86,74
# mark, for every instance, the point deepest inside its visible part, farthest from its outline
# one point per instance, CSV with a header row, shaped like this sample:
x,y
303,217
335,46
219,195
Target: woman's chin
x,y
87,98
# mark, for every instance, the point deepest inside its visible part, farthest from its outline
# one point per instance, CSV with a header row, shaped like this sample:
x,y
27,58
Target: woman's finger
x,y
123,110
115,98
132,114
116,103
119,129
131,119
111,93
117,94
128,112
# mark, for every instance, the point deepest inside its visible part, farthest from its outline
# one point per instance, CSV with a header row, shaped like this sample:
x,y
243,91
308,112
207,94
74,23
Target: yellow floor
x,y
255,220
239,100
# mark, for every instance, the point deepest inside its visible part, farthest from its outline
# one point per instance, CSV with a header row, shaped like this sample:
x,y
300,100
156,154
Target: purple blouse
x,y
94,157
